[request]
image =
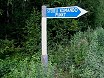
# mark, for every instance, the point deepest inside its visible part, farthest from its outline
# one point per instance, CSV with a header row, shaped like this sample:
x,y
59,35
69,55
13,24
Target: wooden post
x,y
44,57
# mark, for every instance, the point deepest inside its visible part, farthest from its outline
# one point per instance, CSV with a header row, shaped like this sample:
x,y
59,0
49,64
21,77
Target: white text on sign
x,y
68,10
52,10
62,11
60,14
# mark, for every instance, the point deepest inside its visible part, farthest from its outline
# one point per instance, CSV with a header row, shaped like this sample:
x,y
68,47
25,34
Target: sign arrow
x,y
65,12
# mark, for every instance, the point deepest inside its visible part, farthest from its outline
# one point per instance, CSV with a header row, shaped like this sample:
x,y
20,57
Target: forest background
x,y
75,46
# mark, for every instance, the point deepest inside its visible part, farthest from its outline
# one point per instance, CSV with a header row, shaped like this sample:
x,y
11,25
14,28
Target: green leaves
x,y
94,59
6,48
32,44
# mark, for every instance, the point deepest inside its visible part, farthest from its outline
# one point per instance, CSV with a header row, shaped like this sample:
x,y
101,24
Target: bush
x,y
32,29
4,68
83,57
28,68
6,48
94,62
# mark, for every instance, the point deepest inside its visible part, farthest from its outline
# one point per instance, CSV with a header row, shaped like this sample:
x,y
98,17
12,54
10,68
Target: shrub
x,y
83,57
32,29
94,62
27,68
6,48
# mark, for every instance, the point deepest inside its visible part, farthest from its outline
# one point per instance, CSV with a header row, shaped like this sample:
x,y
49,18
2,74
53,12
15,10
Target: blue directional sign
x,y
65,12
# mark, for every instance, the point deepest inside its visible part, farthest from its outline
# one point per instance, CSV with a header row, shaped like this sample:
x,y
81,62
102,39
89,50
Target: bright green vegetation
x,y
75,46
